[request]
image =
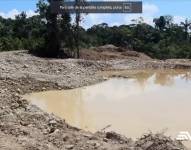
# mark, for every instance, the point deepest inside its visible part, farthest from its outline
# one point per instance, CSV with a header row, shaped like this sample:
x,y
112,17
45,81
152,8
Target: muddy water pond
x,y
154,101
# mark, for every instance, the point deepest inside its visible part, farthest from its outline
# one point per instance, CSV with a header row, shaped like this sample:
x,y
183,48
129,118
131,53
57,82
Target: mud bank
x,y
24,126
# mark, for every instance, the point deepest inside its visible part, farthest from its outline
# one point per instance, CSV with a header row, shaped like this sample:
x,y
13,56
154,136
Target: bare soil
x,y
111,52
25,127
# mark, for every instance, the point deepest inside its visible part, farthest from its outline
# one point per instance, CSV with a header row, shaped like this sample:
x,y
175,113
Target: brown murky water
x,y
151,101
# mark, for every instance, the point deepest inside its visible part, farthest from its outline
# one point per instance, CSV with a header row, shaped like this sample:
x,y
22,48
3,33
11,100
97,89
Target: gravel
x,y
24,126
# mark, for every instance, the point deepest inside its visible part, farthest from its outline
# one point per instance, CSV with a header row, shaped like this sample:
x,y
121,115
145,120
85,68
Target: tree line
x,y
53,35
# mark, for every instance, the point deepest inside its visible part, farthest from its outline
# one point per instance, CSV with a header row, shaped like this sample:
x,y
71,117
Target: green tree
x,y
160,23
186,25
52,41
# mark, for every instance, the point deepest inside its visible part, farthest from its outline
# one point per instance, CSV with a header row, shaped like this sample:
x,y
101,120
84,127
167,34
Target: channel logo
x,y
183,136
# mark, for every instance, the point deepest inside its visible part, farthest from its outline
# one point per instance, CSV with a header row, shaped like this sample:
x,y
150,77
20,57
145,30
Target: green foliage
x,y
52,35
165,40
45,34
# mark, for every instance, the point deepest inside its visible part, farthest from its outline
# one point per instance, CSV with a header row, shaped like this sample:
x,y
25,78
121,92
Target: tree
x,y
186,25
53,35
139,20
160,23
20,26
78,19
169,21
66,34
52,41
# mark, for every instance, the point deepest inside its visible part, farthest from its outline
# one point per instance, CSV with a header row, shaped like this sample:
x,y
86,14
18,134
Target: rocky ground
x,y
26,127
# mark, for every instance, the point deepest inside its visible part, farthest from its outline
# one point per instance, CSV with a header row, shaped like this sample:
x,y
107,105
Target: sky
x,y
180,9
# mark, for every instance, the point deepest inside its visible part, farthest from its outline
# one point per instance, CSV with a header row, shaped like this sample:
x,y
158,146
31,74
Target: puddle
x,y
151,101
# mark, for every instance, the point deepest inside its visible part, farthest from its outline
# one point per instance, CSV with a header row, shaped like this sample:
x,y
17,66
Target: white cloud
x,y
92,19
14,12
115,24
179,19
10,14
147,19
31,13
149,11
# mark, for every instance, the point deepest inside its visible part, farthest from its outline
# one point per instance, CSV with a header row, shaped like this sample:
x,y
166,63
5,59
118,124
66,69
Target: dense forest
x,y
53,35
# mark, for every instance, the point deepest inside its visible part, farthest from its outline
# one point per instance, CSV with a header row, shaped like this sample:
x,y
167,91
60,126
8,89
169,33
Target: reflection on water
x,y
151,101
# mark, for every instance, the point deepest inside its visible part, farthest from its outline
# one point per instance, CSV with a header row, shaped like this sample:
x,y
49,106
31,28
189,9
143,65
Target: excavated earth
x,y
26,127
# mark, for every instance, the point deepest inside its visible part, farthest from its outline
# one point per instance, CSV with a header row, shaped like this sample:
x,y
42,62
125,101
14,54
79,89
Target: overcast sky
x,y
180,9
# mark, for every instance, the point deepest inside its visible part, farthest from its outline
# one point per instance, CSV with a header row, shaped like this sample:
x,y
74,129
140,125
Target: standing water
x,y
150,101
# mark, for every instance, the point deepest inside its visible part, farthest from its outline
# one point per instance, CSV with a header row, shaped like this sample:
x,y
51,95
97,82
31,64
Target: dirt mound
x,y
158,142
111,52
